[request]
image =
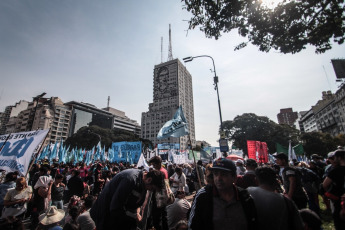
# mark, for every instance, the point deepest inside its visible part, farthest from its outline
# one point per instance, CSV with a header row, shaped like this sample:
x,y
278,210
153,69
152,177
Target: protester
x,y
98,181
178,210
51,219
158,213
223,204
249,178
334,187
310,219
178,181
201,170
118,204
42,192
57,191
84,220
240,167
16,199
274,210
292,181
75,185
10,182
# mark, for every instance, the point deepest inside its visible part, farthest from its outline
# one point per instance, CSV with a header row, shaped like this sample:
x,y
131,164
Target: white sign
x,y
17,149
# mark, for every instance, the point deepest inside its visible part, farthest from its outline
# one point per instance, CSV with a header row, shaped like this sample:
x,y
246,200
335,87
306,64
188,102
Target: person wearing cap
x,y
51,219
222,204
240,168
249,178
334,187
275,211
291,181
117,206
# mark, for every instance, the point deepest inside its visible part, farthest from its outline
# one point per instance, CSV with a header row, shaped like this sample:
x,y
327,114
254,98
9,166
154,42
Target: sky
x,y
85,51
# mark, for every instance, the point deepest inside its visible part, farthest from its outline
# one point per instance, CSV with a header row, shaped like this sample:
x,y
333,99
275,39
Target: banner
x,y
168,146
17,151
251,145
126,151
258,151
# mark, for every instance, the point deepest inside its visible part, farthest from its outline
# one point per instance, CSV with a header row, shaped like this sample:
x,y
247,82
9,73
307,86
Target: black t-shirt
x,y
337,175
57,192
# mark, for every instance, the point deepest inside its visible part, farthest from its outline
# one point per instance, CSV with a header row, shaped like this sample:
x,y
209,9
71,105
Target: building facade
x,y
121,121
172,87
327,115
84,114
287,116
10,113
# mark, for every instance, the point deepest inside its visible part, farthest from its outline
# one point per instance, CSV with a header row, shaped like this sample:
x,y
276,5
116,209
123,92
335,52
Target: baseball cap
x,y
281,156
330,155
224,164
315,156
339,153
240,161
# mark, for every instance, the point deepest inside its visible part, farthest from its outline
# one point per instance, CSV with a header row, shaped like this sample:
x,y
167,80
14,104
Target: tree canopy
x,y
249,126
289,27
87,137
259,128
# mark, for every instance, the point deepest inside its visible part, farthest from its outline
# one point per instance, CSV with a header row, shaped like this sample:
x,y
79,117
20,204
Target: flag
x,y
292,154
299,149
282,149
176,127
142,163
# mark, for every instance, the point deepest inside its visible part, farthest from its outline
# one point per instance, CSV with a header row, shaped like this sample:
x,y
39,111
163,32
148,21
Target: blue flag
x,y
176,127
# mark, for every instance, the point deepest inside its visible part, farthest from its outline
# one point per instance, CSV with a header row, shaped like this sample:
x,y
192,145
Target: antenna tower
x,y
170,56
108,101
161,49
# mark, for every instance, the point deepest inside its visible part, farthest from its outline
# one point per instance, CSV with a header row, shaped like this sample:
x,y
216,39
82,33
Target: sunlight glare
x,y
271,3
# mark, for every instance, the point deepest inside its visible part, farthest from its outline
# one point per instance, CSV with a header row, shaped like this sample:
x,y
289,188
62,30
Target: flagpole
x,y
196,166
35,156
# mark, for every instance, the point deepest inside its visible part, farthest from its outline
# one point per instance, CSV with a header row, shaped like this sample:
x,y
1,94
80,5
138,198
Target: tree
x,y
320,143
88,137
289,27
259,128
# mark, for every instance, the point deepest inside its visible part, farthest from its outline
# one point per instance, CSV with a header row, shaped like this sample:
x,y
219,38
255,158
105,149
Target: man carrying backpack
x,y
291,181
334,185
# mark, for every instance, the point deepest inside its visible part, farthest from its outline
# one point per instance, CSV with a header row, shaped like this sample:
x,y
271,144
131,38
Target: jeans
x,y
58,204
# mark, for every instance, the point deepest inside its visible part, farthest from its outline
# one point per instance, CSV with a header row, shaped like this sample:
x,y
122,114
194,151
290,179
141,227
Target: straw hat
x,y
53,215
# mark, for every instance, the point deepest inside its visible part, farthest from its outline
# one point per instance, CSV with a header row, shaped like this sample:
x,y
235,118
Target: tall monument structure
x,y
172,87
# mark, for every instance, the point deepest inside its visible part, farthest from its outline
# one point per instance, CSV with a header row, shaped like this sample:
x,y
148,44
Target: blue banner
x,y
126,152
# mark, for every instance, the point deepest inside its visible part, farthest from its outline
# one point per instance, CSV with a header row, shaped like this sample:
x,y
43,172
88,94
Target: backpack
x,y
310,180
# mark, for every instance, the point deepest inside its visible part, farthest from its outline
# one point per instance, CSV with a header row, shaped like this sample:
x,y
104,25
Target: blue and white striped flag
x,y
176,127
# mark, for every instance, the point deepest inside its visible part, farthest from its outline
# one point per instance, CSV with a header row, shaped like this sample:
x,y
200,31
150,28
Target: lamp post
x,y
222,142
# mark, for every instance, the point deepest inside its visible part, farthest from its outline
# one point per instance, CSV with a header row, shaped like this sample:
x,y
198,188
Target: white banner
x,y
17,151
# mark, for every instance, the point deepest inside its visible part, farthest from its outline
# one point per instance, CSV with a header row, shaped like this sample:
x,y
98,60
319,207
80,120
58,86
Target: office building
x,y
172,87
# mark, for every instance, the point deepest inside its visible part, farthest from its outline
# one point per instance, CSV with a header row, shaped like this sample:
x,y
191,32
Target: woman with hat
x,y
51,219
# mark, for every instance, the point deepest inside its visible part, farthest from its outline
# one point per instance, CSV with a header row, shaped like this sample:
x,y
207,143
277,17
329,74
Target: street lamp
x,y
222,142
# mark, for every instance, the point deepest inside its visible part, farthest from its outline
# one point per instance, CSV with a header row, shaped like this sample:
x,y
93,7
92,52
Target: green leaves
x,y
288,28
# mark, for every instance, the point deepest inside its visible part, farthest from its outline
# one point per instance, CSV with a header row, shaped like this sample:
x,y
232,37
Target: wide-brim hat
x,y
53,215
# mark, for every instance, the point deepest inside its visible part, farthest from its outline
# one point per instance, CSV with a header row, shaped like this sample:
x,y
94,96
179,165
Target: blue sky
x,y
87,50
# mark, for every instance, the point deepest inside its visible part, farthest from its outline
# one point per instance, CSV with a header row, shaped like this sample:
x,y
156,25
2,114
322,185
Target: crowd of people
x,y
224,194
